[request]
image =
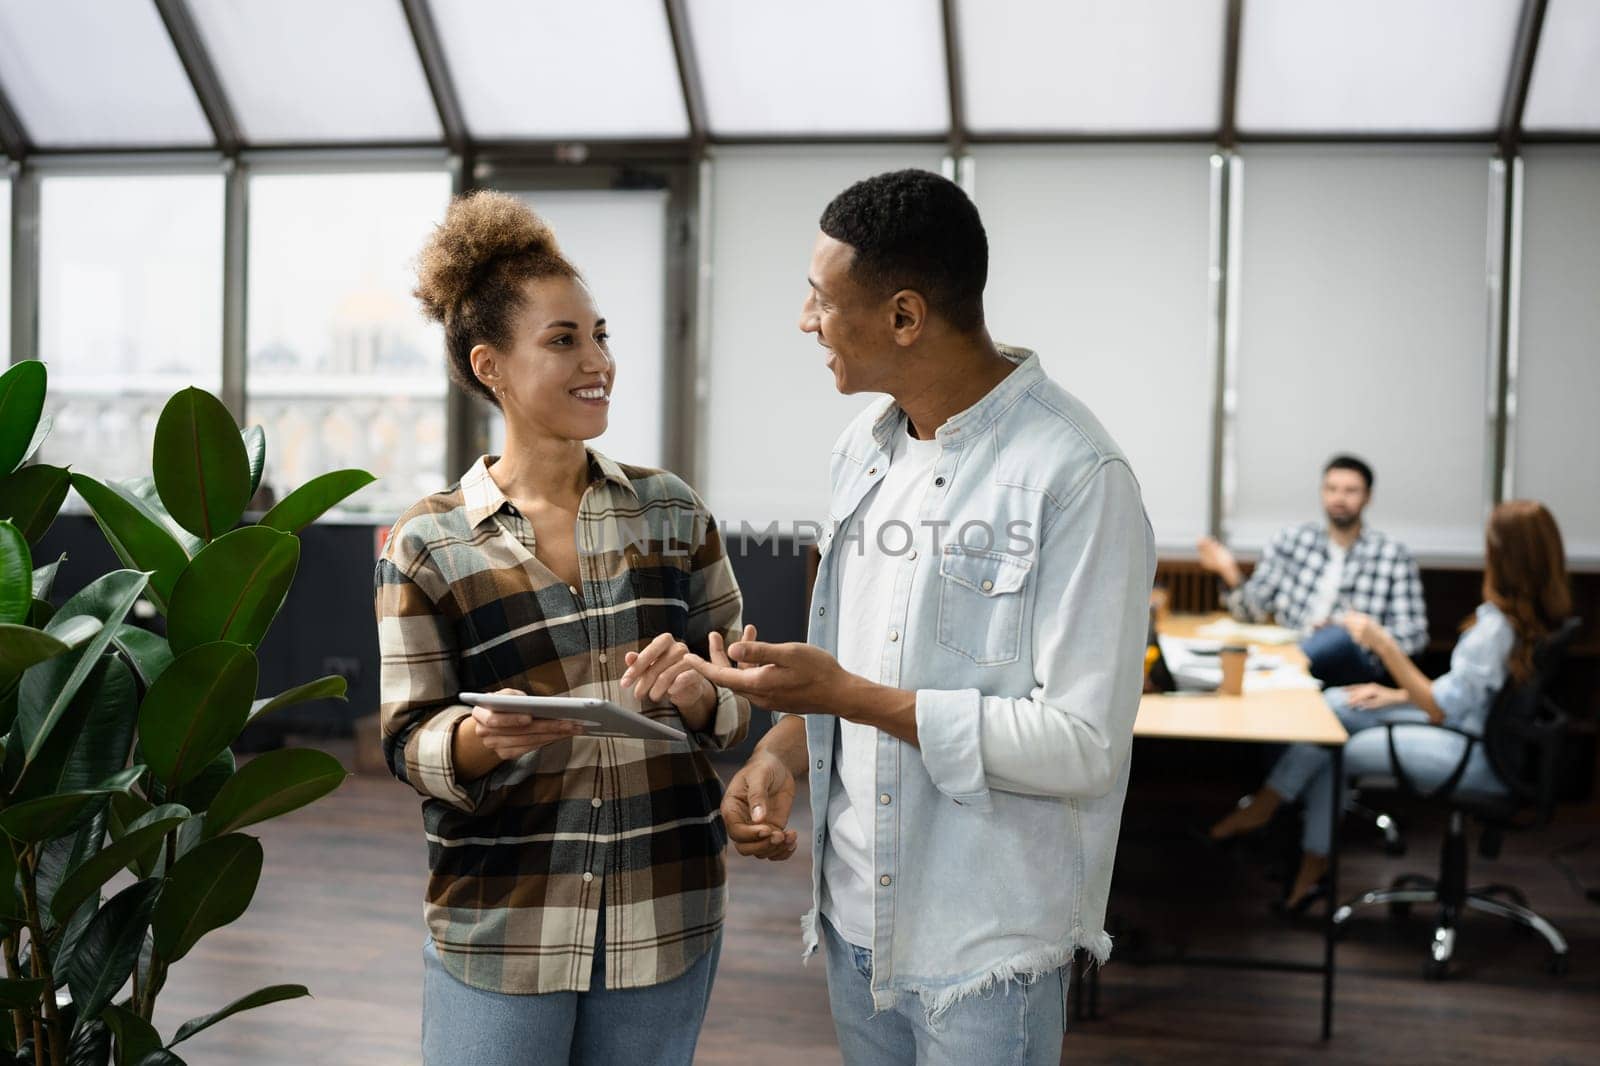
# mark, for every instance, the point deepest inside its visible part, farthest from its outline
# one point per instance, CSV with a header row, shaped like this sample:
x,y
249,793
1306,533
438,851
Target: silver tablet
x,y
601,718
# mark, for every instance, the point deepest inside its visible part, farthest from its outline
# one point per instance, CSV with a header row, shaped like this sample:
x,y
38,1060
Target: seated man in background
x,y
1320,578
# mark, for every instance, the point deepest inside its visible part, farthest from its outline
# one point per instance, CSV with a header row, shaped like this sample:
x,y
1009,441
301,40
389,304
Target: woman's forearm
x,y
1413,681
472,759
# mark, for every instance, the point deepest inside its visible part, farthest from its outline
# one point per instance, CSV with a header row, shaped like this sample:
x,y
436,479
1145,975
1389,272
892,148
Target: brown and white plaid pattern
x,y
520,858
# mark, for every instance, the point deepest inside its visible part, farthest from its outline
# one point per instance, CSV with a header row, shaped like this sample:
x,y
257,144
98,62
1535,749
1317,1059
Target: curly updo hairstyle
x,y
471,272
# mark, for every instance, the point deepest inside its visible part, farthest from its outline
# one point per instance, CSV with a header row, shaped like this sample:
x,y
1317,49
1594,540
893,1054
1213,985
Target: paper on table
x,y
1228,629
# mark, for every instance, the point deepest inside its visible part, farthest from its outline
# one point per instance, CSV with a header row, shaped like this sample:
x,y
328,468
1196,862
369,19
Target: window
x,y
1363,327
343,370
1115,65
97,73
130,310
306,70
1085,244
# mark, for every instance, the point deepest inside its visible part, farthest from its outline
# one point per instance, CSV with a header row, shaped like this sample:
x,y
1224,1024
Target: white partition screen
x,y
1098,260
771,414
1556,433
1363,327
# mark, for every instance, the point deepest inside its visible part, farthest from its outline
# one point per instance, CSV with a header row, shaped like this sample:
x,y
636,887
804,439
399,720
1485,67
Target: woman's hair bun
x,y
479,230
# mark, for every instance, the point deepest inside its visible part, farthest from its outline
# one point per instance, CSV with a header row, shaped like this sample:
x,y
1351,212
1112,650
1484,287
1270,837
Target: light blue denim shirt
x,y
994,840
1478,668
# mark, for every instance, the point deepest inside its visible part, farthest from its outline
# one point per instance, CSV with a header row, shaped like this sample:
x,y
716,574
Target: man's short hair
x,y
912,229
1350,462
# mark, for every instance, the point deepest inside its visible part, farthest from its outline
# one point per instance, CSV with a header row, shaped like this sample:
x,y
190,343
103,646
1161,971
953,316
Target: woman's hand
x,y
511,736
1373,697
1365,631
663,670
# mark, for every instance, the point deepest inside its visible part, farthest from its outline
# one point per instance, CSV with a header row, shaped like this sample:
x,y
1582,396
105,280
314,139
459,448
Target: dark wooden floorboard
x,y
339,909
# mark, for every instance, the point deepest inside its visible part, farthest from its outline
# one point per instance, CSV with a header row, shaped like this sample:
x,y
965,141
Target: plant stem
x,y
18,1017
41,958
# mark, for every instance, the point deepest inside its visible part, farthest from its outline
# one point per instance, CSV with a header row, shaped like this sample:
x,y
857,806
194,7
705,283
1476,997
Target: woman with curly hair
x,y
1525,599
576,891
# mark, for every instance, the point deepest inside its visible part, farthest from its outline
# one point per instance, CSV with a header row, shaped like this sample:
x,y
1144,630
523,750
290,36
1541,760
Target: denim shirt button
x,y
884,799
894,635
939,481
821,611
873,472
819,764
885,880
912,554
988,585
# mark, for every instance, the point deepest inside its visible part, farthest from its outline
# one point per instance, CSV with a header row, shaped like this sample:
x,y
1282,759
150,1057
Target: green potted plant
x,y
115,741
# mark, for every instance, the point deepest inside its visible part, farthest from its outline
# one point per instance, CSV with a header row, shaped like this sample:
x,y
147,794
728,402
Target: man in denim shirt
x,y
965,702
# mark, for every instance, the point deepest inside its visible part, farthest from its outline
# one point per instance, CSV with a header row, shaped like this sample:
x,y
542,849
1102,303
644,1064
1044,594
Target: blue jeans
x,y
1015,1023
1428,755
656,1026
1337,660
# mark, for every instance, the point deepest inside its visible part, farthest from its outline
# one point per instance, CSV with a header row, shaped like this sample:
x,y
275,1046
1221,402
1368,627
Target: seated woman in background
x,y
1526,597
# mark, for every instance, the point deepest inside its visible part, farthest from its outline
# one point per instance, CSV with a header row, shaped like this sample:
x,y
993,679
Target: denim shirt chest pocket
x,y
982,601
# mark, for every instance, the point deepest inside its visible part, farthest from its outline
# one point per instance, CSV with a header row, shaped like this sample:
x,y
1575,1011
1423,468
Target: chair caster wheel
x,y
1557,965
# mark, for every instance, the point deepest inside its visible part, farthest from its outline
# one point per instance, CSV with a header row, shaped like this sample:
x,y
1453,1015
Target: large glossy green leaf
x,y
44,578
110,947
233,589
144,490
200,465
138,537
30,497
261,997
160,1057
40,434
196,709
331,687
58,855
21,993
90,1044
148,652
312,500
135,1037
92,874
16,576
255,450
91,740
271,784
147,861
48,688
22,390
207,888
198,794
23,646
50,816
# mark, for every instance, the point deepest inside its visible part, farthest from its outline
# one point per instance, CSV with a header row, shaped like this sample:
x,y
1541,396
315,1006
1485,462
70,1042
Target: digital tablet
x,y
601,718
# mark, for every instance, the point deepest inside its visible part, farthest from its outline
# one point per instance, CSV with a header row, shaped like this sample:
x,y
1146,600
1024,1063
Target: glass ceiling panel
x,y
1092,65
309,71
1565,91
553,68
823,67
1371,66
96,73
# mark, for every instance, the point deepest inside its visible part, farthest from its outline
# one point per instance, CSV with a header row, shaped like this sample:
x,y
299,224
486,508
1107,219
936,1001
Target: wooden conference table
x,y
1277,716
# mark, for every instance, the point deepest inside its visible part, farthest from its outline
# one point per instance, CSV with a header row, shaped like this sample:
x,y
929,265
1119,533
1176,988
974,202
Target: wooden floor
x,y
339,909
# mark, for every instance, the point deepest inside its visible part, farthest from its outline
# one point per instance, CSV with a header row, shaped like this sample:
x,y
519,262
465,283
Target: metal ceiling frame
x,y
229,137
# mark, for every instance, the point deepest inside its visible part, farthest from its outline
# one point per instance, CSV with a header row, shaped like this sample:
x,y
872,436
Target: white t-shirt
x,y
870,554
1325,597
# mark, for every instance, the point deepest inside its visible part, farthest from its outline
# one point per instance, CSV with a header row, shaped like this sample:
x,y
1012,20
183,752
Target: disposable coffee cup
x,y
1233,657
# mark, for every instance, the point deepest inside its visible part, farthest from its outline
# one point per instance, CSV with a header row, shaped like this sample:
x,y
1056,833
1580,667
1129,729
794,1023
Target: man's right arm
x,y
757,804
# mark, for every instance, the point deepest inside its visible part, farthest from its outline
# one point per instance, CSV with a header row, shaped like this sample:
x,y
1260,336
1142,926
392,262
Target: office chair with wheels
x,y
1521,738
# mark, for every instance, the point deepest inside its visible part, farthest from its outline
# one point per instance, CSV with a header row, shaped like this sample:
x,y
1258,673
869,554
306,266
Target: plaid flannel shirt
x,y
519,858
1380,579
